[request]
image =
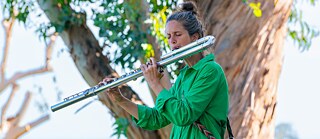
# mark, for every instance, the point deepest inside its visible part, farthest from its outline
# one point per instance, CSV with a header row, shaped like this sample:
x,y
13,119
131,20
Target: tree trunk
x,y
87,55
250,51
248,48
142,8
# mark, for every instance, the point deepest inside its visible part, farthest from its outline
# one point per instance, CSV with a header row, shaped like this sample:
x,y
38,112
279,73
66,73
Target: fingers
x,y
151,67
153,62
160,75
143,67
101,83
112,89
105,81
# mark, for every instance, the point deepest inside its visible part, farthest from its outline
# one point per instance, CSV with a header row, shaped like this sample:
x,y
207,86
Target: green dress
x,y
199,93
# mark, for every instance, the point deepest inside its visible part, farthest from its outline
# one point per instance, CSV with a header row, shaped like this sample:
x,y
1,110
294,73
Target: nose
x,y
173,40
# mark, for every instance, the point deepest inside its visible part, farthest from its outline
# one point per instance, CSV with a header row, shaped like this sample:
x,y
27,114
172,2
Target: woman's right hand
x,y
113,93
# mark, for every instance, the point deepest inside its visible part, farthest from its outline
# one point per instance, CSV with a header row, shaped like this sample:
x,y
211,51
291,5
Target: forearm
x,y
150,118
130,107
157,88
165,80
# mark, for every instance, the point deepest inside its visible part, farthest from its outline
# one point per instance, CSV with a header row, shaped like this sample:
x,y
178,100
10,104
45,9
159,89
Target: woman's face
x,y
177,35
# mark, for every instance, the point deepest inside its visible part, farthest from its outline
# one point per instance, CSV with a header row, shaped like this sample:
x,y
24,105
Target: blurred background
x,y
297,93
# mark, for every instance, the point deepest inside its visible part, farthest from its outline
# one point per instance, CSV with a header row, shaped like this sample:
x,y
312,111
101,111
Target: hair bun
x,y
188,6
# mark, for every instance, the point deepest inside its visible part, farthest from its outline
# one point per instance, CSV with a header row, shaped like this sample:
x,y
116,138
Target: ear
x,y
195,37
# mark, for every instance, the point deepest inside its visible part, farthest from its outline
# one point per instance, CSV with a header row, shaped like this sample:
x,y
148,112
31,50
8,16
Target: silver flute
x,y
169,58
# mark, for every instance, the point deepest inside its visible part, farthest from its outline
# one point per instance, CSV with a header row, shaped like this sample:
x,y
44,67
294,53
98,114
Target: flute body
x,y
182,53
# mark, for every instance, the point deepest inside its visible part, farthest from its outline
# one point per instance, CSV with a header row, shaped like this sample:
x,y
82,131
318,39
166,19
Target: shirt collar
x,y
199,65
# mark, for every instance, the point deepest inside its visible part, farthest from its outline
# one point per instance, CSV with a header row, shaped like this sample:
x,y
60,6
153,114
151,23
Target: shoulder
x,y
212,67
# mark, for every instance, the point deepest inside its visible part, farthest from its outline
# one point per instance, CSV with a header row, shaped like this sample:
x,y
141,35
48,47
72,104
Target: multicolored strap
x,y
208,134
203,129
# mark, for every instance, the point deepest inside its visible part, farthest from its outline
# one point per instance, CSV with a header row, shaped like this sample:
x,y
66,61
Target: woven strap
x,y
203,129
208,134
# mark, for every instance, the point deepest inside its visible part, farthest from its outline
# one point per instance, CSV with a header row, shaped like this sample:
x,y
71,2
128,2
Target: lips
x,y
175,48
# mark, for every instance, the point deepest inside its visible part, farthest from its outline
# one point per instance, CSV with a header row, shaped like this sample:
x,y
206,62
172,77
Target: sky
x,y
298,90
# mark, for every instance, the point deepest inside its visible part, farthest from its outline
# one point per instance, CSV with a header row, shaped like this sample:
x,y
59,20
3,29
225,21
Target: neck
x,y
193,59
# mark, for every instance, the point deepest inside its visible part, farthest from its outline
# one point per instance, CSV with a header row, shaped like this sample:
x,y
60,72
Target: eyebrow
x,y
175,32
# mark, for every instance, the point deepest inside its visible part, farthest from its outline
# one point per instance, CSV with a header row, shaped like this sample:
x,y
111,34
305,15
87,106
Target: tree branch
x,y
88,58
15,88
39,121
16,131
43,69
23,108
28,127
49,50
20,75
7,25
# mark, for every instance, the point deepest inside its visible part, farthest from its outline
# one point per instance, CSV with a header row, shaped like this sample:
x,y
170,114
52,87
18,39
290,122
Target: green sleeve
x,y
187,110
150,118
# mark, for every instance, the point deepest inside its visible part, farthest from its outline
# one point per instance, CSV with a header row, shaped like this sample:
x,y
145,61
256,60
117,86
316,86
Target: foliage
x,y
305,33
19,9
23,10
255,7
122,24
117,24
121,127
158,21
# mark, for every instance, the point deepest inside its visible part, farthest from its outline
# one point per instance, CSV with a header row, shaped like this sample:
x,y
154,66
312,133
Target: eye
x,y
168,36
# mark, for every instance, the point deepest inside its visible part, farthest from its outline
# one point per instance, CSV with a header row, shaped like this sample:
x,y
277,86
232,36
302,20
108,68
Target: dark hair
x,y
187,15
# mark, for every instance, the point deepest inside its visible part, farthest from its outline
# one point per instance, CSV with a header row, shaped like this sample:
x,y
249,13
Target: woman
x,y
200,92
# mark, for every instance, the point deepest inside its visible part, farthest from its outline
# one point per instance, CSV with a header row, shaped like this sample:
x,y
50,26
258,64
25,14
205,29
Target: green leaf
x,y
293,34
299,30
121,125
312,2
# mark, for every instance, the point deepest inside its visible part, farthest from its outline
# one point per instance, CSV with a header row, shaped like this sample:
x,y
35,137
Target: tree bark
x,y
248,48
142,8
93,66
250,51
